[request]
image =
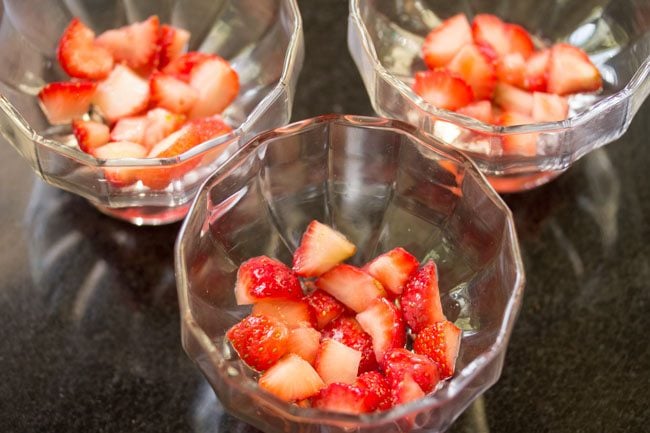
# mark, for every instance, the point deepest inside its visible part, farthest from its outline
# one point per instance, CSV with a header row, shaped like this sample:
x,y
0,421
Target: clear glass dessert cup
x,y
385,39
383,184
261,38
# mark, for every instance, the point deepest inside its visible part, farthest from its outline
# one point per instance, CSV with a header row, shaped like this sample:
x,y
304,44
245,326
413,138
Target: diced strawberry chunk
x,y
489,29
536,73
348,331
475,69
420,300
321,248
377,385
263,278
441,343
122,94
337,363
217,85
90,135
406,391
511,98
479,110
393,268
443,42
160,123
439,88
399,362
385,324
549,108
571,71
519,40
192,134
345,398
80,56
260,341
291,312
171,93
171,44
129,129
120,149
135,44
324,307
304,342
518,144
63,102
511,69
291,379
351,286
182,66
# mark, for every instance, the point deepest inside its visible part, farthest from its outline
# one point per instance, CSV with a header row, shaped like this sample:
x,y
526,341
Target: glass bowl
x,y
385,39
261,38
383,184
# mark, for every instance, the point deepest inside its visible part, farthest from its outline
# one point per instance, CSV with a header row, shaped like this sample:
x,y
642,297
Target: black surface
x,y
89,339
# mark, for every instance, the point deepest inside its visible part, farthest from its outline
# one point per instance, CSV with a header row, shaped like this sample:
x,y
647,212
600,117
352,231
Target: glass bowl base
x,y
146,215
521,182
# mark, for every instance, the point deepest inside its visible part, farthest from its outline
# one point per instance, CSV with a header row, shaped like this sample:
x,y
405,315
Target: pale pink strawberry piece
x,y
511,69
406,390
476,69
519,40
120,149
571,71
171,93
489,29
263,278
399,362
511,98
183,65
293,313
440,89
124,93
420,299
193,133
321,248
136,44
393,268
129,129
479,110
345,398
347,330
217,85
160,124
291,378
536,72
518,144
378,386
172,42
90,135
337,363
63,102
549,108
443,42
350,285
324,307
80,56
304,342
385,324
260,341
441,343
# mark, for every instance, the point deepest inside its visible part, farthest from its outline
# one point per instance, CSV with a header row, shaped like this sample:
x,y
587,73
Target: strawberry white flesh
x,y
160,123
291,378
292,313
571,71
384,322
63,102
217,85
351,286
511,69
443,42
511,98
120,149
392,269
321,248
129,129
90,135
337,363
122,94
80,56
304,342
135,44
406,390
549,108
490,30
480,110
171,93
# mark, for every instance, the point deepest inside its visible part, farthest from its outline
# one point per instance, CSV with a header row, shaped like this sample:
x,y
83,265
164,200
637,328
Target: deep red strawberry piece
x,y
397,363
293,313
441,343
519,40
536,73
80,56
160,123
511,69
90,135
571,71
344,398
260,341
136,45
420,300
348,331
443,42
171,44
393,268
549,108
171,93
406,391
440,89
304,342
129,129
479,110
385,324
350,285
324,307
375,383
476,69
518,144
66,101
321,248
265,278
217,85
124,93
182,66
337,363
120,149
489,29
291,378
511,98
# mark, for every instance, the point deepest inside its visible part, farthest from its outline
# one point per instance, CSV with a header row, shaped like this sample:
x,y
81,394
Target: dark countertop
x,y
89,339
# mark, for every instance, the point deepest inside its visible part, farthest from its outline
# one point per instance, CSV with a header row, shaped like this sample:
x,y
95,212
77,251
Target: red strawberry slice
x,y
90,135
571,71
440,89
63,102
348,331
441,343
129,129
385,324
511,98
443,42
291,379
344,398
406,391
511,69
420,300
324,308
549,108
171,93
135,44
304,342
171,44
399,362
80,56
376,384
182,66
321,248
217,84
393,268
476,69
337,363
263,278
536,73
351,286
120,149
122,94
160,123
479,110
293,313
519,40
490,30
260,341
518,144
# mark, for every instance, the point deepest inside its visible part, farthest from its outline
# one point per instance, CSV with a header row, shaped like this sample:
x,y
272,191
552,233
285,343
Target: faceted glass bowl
x,y
261,38
383,184
385,39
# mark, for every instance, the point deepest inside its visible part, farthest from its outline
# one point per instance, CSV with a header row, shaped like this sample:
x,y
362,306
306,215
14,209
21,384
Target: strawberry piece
x,y
171,44
217,85
63,102
571,71
443,42
549,108
262,278
122,94
260,341
171,93
160,123
439,88
399,362
304,342
192,134
291,379
90,135
80,56
406,391
476,69
441,343
345,398
351,286
348,331
293,313
519,40
324,307
385,324
393,268
182,66
489,29
120,149
511,98
511,69
129,129
376,384
337,363
321,248
135,44
518,144
479,110
536,71
420,300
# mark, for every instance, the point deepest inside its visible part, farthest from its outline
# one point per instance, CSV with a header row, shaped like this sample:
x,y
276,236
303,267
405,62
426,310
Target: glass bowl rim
x,y
437,399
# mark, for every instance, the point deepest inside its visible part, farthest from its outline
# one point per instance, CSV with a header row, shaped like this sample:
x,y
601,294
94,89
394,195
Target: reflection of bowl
x,y
261,38
385,39
382,184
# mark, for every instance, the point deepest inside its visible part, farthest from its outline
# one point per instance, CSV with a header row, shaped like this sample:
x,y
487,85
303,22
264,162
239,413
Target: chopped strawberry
x,y
440,342
571,71
129,129
511,98
120,149
135,44
385,324
337,363
348,331
192,134
90,135
217,84
549,108
489,29
80,56
345,398
171,44
536,73
304,342
160,123
519,40
260,341
399,362
511,69
518,144
439,88
321,248
263,278
393,268
171,93
122,94
291,379
291,312
420,300
182,66
479,110
376,384
443,42
476,69
351,286
66,101
324,307
406,391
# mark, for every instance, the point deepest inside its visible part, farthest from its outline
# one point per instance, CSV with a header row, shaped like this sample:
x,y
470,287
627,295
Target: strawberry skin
x,y
324,307
90,135
304,342
376,384
571,71
217,85
122,94
293,313
393,268
443,42
171,93
345,398
183,65
291,379
519,41
337,363
441,343
171,44
136,45
420,300
439,88
80,56
260,341
399,362
348,331
65,101
265,278
385,324
536,71
351,286
476,69
192,134
321,248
